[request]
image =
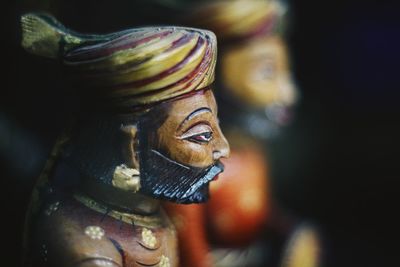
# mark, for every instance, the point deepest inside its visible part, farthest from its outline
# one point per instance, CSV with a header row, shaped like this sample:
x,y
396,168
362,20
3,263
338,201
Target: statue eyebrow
x,y
193,114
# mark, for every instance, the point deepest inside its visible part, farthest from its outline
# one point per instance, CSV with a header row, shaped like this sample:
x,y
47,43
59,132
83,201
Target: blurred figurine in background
x,y
256,82
255,93
148,131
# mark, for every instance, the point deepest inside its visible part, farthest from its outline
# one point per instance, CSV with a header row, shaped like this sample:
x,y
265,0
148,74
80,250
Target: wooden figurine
x,y
148,132
256,81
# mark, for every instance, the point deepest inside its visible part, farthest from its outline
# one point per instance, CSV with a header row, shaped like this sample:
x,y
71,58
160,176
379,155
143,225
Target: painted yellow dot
x,y
164,262
148,238
94,232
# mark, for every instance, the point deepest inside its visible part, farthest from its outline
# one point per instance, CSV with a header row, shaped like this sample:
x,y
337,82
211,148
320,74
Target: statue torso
x,y
76,231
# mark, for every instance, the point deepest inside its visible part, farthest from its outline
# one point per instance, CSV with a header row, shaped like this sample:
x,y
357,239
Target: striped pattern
x,y
237,18
146,65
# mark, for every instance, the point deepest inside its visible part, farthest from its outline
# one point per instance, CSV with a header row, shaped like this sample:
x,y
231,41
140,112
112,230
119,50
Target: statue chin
x,y
166,179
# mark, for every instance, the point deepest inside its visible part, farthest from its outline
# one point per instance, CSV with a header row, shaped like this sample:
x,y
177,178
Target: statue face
x,y
171,152
180,156
258,73
191,134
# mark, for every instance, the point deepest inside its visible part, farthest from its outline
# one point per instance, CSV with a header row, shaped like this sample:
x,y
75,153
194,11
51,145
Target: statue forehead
x,y
181,108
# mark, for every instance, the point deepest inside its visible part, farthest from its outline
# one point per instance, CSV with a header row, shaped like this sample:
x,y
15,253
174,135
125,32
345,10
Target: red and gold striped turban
x,y
236,19
134,67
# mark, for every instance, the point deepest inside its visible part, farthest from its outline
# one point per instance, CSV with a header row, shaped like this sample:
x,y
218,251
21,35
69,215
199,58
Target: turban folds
x,y
237,19
133,67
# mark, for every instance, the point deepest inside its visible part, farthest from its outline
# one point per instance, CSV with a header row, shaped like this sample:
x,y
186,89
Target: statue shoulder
x,y
65,240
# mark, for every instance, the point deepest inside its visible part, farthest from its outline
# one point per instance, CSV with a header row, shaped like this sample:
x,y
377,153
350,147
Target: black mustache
x,y
220,165
167,179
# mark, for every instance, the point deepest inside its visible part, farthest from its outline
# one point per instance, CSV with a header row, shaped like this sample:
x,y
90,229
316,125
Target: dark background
x,y
339,164
335,165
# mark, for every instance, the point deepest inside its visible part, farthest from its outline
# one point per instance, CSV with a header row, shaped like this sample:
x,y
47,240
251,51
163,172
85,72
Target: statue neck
x,y
120,200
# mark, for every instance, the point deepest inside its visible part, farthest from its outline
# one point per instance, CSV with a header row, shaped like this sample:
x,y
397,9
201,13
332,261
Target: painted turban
x,y
237,19
133,67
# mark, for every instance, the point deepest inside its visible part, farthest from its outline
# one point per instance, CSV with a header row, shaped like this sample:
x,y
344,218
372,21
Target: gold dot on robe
x,y
164,262
148,238
94,232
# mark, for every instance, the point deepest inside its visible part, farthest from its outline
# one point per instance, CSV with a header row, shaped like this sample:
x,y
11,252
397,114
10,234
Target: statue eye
x,y
199,133
202,138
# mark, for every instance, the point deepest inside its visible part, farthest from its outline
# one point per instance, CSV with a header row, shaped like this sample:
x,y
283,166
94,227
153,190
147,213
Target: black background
x,y
335,165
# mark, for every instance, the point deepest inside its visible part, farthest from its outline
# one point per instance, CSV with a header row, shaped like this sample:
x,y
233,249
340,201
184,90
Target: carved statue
x,y
148,132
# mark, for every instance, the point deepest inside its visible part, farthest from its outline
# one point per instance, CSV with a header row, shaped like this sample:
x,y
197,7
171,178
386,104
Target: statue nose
x,y
223,150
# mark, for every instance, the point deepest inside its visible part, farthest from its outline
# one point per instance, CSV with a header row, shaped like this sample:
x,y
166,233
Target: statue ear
x,y
130,145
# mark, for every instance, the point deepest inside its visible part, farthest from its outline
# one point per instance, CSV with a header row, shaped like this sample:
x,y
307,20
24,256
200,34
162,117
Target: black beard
x,y
163,178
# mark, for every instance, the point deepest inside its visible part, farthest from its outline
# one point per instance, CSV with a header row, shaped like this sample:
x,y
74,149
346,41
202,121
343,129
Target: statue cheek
x,y
191,154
